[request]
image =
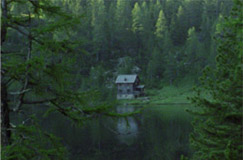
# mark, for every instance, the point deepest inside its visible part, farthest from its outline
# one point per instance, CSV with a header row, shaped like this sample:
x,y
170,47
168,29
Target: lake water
x,y
157,133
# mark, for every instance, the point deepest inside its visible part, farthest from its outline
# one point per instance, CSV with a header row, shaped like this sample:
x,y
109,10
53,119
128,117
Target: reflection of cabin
x,y
128,87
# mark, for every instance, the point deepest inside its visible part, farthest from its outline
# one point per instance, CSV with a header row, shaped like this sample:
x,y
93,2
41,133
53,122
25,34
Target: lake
x,y
159,132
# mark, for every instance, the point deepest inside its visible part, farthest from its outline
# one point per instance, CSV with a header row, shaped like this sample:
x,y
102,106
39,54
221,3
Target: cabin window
x,y
120,91
128,90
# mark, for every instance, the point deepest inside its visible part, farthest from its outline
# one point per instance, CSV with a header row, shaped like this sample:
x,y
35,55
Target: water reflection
x,y
126,127
157,133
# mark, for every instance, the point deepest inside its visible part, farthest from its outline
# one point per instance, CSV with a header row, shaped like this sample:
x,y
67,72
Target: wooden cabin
x,y
128,87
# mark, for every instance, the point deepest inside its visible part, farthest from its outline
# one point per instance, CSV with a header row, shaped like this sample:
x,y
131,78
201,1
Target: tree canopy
x,y
218,128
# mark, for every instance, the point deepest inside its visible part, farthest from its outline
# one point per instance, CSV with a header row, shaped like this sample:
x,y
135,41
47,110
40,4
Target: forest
x,y
60,60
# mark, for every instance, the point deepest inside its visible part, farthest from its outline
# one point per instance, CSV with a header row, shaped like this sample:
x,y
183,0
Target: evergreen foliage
x,y
65,54
161,25
30,142
113,30
137,18
218,128
194,58
39,73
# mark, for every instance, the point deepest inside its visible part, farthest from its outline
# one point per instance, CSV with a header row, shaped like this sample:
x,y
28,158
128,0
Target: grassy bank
x,y
167,95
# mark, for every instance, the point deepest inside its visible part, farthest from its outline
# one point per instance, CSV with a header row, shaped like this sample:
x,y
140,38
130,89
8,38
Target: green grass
x,y
170,94
167,95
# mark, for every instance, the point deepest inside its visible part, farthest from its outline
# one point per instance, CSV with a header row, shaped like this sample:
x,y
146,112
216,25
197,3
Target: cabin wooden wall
x,y
125,88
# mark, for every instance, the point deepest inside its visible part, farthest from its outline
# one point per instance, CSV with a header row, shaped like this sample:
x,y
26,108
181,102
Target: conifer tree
x,y
38,72
122,13
170,58
157,7
171,8
155,69
147,37
122,25
218,128
98,24
137,19
161,27
193,11
179,26
138,30
193,53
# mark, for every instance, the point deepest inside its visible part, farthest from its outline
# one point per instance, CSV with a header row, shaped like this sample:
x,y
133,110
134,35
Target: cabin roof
x,y
126,78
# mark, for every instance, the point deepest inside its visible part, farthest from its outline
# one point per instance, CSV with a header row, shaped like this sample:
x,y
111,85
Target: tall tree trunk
x,y
4,18
5,120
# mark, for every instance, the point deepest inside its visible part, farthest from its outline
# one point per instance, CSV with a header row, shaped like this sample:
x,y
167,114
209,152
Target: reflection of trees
x,y
164,136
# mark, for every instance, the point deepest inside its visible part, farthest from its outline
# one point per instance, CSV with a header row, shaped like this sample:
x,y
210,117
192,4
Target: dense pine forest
x,y
162,41
159,40
60,59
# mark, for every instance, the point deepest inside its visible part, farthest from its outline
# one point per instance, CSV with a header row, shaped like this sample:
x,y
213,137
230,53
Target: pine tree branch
x,y
39,102
26,82
20,92
11,52
25,34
